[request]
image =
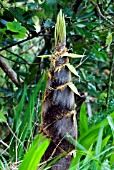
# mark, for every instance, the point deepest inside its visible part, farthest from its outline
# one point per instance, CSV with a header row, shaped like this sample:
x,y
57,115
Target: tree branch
x,y
20,62
99,12
9,71
26,39
17,55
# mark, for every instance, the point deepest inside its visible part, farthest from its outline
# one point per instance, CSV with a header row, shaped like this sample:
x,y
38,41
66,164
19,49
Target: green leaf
x,y
80,25
16,28
72,69
80,151
18,112
27,119
13,26
99,143
111,123
73,88
60,29
87,159
109,39
76,143
75,162
2,117
65,54
50,2
19,35
83,123
3,163
105,140
92,134
36,23
72,55
17,119
44,56
34,154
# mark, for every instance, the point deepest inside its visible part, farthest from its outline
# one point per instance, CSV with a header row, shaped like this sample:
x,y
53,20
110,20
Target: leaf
x,y
72,69
80,151
105,140
2,117
44,56
72,55
50,2
73,88
111,123
92,134
83,123
34,154
36,23
53,161
26,125
3,163
65,54
76,143
87,159
17,118
48,23
109,39
18,112
99,143
80,25
16,28
75,162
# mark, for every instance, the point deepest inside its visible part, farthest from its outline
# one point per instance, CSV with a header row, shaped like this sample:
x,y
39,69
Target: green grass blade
x,y
35,152
91,135
87,158
27,118
75,162
53,161
17,121
83,123
75,143
105,140
99,142
17,117
3,163
111,123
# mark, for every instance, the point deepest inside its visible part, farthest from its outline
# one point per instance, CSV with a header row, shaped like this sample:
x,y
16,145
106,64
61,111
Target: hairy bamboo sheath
x,y
58,112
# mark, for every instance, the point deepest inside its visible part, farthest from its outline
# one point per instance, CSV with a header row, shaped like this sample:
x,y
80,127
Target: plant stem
x,y
110,82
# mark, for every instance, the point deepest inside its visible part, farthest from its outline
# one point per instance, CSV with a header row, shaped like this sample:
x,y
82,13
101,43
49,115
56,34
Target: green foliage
x,y
90,151
73,88
16,28
2,117
60,29
23,125
72,69
34,154
109,39
83,126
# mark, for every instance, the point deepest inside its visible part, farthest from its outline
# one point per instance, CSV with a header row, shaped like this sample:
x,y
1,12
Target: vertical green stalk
x,y
110,80
60,30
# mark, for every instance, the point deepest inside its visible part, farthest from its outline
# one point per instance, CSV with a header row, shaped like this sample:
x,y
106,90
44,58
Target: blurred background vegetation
x,y
27,31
